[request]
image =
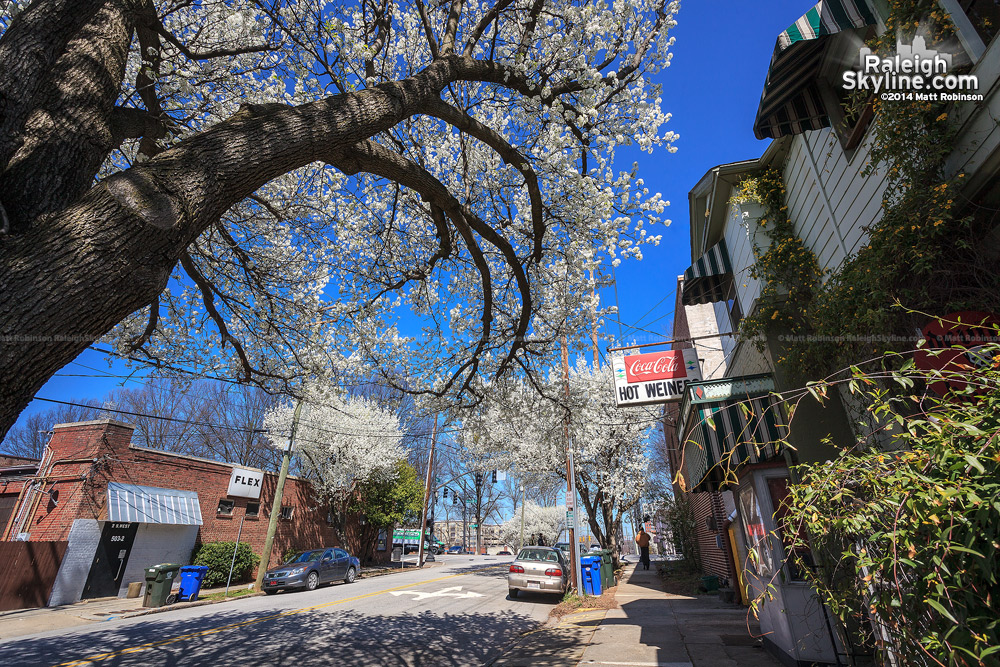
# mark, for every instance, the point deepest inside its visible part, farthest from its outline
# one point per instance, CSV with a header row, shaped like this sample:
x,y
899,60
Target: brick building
x,y
123,508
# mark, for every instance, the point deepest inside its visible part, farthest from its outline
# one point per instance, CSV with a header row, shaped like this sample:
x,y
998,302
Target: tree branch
x,y
463,121
208,292
489,17
29,48
151,322
451,27
383,23
428,31
129,123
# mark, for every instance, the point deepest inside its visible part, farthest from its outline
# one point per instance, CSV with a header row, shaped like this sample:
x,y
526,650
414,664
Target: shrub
x,y
218,555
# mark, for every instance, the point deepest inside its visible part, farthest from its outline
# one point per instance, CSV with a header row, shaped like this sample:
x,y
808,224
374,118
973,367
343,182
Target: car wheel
x,y
351,575
512,592
312,581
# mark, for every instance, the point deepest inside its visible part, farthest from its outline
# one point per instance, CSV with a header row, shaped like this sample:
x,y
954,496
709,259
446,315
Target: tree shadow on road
x,y
317,637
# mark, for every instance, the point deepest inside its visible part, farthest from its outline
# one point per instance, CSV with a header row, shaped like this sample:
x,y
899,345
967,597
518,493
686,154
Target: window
x,y
754,531
777,488
286,512
340,553
225,507
253,510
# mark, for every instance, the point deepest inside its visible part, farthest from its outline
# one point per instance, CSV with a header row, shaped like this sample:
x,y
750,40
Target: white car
x,y
538,569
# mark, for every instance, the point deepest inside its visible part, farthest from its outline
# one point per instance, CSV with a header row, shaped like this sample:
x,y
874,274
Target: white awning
x,y
149,504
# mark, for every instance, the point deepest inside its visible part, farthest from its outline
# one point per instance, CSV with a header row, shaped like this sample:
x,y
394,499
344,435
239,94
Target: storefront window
x,y
778,489
754,532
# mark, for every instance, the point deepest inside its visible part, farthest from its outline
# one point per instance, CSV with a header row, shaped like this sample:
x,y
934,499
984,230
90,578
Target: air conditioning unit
x,y
22,537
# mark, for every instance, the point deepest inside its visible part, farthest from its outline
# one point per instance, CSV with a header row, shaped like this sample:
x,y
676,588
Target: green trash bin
x,y
607,568
159,579
710,582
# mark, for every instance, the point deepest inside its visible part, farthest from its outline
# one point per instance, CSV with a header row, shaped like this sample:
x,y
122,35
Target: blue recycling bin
x,y
590,568
191,578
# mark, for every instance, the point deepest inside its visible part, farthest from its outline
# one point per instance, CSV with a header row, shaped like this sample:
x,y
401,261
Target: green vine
x,y
788,271
909,541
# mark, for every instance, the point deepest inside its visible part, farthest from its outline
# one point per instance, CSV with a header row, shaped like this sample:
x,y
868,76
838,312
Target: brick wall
x,y
86,456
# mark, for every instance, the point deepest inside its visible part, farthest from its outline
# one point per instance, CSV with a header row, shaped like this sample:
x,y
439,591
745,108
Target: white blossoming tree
x,y
523,427
341,444
268,188
549,522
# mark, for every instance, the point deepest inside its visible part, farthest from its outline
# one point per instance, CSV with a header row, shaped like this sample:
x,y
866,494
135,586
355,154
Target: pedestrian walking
x,y
642,540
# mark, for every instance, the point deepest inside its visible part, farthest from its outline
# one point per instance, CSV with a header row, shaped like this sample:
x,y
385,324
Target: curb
x,y
184,605
203,603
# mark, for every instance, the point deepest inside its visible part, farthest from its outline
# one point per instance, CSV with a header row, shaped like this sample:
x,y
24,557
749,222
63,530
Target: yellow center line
x,y
242,624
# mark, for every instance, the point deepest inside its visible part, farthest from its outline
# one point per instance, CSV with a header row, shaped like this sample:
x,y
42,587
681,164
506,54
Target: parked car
x,y
503,553
538,569
595,547
457,549
311,568
564,547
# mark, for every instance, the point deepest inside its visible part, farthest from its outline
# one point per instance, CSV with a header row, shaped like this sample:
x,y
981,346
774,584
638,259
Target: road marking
x,y
232,626
452,592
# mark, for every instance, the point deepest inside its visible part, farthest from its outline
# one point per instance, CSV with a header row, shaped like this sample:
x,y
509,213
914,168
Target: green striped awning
x,y
790,103
722,436
710,278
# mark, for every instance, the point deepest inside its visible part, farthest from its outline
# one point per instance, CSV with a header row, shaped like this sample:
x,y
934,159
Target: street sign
x,y
569,502
474,525
569,517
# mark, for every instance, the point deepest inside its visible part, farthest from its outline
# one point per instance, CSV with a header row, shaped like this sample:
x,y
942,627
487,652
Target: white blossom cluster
x,y
339,442
549,522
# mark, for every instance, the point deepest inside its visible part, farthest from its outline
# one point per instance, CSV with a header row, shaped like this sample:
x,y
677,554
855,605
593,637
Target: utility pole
x,y
570,480
593,321
279,489
524,498
427,495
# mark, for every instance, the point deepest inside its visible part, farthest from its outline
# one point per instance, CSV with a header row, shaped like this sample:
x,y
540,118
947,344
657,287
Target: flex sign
x,y
655,377
245,483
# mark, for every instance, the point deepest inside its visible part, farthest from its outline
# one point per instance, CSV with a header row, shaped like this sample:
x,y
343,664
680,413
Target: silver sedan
x,y
538,569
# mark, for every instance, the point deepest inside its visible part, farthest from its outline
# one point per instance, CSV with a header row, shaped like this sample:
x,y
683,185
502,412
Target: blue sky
x,y
712,88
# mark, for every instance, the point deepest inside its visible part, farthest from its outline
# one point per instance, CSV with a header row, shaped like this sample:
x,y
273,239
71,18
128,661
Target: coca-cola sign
x,y
656,377
655,366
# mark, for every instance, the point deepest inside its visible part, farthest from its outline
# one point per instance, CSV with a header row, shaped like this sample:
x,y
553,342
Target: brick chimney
x,y
84,440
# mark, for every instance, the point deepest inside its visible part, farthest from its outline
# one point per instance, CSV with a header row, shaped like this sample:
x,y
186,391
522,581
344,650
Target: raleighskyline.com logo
x,y
914,73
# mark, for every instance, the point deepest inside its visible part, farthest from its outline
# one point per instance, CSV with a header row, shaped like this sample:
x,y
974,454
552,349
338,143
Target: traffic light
x,y
454,499
444,493
479,479
494,476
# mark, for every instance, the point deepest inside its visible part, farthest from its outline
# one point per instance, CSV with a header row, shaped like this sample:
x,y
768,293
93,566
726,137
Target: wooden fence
x,y
30,569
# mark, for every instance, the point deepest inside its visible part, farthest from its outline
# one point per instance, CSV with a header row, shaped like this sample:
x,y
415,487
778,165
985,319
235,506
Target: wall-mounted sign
x,y
245,483
955,348
655,377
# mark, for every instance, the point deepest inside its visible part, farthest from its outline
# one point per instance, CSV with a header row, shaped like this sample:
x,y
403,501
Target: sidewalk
x,y
18,622
649,629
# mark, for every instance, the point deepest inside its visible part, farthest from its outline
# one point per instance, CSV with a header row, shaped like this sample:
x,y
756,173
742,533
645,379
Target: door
x,y
110,559
343,562
327,566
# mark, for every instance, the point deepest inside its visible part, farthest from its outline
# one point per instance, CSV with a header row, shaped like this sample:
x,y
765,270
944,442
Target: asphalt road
x,y
454,614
